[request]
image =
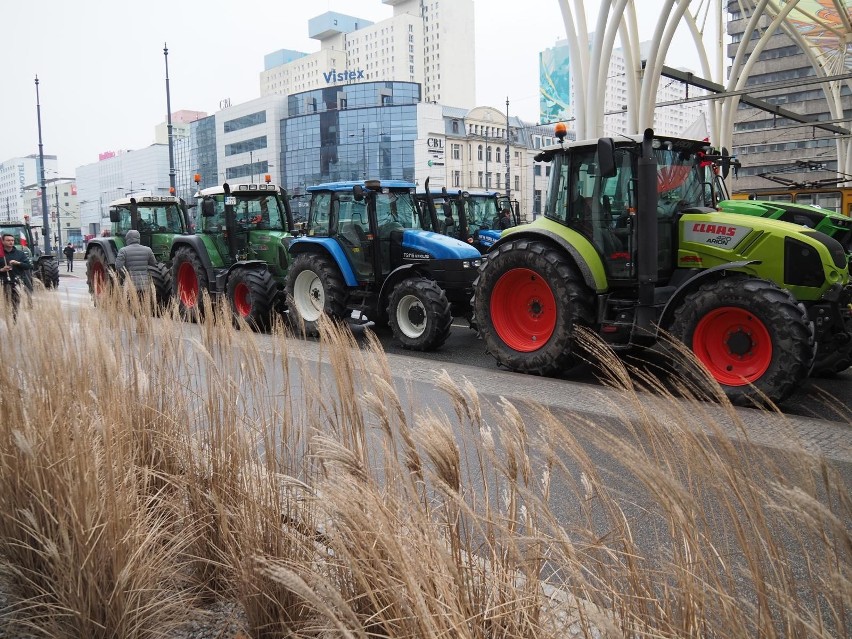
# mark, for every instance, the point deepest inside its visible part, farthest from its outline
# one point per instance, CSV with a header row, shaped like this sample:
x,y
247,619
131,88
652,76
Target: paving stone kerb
x,y
832,440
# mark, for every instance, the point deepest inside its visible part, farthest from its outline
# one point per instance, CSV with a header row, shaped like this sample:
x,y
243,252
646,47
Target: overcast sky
x,y
102,75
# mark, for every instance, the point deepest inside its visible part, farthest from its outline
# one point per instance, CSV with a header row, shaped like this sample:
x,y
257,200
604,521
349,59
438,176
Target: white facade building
x,y
15,175
411,46
141,172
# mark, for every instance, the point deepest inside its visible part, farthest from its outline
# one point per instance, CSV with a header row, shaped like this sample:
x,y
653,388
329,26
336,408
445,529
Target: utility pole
x,y
58,224
508,147
172,179
45,216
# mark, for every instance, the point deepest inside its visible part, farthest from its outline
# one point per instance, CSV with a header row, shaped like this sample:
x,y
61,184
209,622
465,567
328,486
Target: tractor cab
x,y
157,218
367,221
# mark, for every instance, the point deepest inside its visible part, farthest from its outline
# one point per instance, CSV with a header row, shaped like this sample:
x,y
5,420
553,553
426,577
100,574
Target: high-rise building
x,y
558,99
411,46
16,175
767,143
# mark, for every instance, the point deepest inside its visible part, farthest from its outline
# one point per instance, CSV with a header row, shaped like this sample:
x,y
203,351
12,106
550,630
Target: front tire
x,y
834,355
419,314
251,293
48,272
161,278
97,274
753,338
314,287
528,300
189,282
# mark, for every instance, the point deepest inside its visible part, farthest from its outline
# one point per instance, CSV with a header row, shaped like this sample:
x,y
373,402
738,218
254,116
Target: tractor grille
x,y
802,264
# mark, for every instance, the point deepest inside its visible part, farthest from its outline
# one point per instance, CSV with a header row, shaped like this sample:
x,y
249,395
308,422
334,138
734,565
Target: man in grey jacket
x,y
133,259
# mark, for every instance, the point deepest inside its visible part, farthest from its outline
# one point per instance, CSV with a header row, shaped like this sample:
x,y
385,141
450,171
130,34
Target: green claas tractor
x,y
835,354
239,249
45,266
630,246
159,219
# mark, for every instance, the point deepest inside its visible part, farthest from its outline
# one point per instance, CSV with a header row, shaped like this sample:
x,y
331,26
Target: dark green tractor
x,y
239,250
45,265
159,220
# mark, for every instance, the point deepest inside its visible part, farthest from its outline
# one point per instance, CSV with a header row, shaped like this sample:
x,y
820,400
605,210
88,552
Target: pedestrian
x,y
133,260
69,256
505,221
15,264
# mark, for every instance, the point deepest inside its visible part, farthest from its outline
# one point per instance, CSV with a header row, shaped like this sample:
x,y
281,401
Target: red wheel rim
x,y
98,278
733,345
523,310
187,285
242,299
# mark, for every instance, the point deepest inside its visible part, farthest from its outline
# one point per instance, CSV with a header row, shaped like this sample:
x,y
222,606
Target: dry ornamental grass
x,y
167,479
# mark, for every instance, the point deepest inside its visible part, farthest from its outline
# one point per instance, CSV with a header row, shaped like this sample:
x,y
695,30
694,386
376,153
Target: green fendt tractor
x,y
159,220
239,250
629,245
45,265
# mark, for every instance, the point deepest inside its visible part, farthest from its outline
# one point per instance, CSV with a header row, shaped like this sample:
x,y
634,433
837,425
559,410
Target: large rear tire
x,y
753,338
97,274
528,300
48,272
189,282
314,288
419,314
251,293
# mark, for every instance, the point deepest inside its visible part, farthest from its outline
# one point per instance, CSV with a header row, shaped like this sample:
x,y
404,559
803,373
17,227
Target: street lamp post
x,y
58,223
172,180
508,166
45,217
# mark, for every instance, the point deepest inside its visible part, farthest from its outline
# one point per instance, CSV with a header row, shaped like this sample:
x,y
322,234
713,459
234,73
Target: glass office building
x,y
350,132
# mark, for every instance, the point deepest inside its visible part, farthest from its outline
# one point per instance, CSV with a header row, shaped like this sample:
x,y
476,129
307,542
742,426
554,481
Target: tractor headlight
x,y
471,263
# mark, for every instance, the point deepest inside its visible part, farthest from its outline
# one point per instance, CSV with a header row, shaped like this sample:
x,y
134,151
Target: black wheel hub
x,y
416,315
534,308
739,343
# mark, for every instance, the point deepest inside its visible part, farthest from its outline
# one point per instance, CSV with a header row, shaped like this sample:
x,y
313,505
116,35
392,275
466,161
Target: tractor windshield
x,y
482,213
252,210
396,208
160,218
681,181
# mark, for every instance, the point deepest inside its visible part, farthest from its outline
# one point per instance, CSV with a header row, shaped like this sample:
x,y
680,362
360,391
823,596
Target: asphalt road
x,y
820,398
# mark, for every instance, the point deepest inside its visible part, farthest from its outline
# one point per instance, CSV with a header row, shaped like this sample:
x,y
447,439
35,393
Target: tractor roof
x,y
365,184
146,200
239,189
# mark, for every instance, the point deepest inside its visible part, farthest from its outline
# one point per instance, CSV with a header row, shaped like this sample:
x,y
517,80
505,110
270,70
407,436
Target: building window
x,y
479,155
517,182
479,179
488,180
455,126
498,155
457,151
537,170
488,154
536,203
456,178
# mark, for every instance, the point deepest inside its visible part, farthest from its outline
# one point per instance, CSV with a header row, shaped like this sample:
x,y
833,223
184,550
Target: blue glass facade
x,y
203,134
351,132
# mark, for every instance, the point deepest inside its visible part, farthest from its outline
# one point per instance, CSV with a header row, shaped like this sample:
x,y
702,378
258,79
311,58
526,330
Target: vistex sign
x,y
343,76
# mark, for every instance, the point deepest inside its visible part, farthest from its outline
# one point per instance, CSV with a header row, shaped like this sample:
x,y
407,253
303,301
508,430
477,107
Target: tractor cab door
x,y
395,211
351,222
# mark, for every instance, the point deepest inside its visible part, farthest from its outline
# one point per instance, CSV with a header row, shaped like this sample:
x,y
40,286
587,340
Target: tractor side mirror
x,y
726,163
114,216
358,193
606,158
208,207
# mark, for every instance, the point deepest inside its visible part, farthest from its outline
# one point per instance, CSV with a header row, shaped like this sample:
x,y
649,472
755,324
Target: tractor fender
x,y
223,277
594,275
396,276
107,245
196,244
691,284
329,247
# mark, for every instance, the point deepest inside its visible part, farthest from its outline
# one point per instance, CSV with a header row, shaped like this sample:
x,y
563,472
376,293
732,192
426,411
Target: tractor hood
x,y
440,247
